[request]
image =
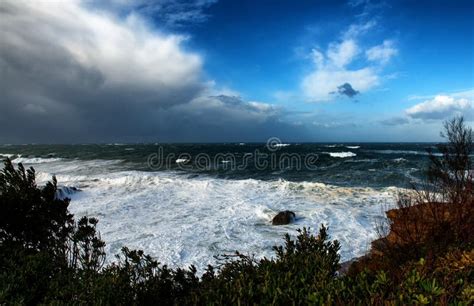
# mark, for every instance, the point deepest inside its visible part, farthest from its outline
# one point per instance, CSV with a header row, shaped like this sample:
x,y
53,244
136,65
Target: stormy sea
x,y
186,203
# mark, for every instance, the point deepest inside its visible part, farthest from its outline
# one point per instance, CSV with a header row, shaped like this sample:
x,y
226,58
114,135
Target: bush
x,y
31,217
438,213
302,268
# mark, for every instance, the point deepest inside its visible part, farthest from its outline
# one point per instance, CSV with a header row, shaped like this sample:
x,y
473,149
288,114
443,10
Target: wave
x,y
183,220
281,145
66,191
353,147
407,152
182,160
35,160
341,154
7,155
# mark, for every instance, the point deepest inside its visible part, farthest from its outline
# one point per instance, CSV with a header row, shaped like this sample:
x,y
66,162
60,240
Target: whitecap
x,y
182,160
406,152
341,154
7,155
353,147
35,160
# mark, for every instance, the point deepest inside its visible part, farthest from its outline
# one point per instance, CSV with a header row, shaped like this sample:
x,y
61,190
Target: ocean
x,y
187,203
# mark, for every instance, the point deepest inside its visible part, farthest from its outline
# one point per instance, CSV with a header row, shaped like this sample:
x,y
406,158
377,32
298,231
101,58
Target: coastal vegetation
x,y
425,256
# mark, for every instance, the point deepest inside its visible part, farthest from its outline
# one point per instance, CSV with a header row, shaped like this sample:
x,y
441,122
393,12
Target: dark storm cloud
x,y
225,118
80,76
347,90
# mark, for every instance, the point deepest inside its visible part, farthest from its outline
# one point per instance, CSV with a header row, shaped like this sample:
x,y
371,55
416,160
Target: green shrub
x,y
302,268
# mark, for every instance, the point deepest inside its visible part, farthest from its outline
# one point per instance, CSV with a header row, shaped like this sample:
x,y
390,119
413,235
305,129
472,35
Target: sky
x,y
83,71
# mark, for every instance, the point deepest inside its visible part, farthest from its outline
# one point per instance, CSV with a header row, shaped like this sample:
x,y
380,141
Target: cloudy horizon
x,y
214,71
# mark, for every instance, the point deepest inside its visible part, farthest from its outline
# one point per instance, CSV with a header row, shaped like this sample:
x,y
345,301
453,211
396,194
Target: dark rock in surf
x,y
284,217
65,191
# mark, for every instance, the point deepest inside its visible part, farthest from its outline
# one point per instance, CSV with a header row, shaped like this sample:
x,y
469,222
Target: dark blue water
x,y
354,164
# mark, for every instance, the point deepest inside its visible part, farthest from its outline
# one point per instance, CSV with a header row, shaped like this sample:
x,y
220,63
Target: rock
x,y
284,217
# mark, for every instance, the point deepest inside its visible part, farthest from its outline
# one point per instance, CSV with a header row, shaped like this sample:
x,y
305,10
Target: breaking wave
x,y
341,154
184,220
35,160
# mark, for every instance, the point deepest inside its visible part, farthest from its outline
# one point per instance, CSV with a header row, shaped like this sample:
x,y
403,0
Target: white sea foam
x,y
399,160
35,160
6,155
410,152
182,160
281,144
183,221
341,154
353,147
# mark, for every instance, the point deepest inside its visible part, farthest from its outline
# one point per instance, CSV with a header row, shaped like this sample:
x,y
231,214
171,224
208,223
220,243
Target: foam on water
x,y
341,154
35,160
409,152
6,155
184,220
182,160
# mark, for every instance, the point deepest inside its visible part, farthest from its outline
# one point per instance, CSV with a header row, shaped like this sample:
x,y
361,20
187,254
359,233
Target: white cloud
x,y
441,107
358,29
332,68
342,54
467,94
382,53
321,84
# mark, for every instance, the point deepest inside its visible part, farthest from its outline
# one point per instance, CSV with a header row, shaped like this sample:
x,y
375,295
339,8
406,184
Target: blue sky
x,y
260,49
209,70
